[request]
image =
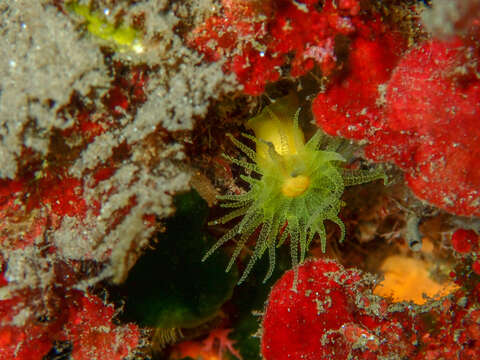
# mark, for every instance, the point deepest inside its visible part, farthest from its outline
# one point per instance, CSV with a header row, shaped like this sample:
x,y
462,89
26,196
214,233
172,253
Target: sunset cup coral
x,y
298,187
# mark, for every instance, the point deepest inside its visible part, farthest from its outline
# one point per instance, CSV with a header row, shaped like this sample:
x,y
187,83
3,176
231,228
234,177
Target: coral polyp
x,y
298,187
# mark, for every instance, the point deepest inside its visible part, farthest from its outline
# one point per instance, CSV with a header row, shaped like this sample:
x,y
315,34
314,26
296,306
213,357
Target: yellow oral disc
x,y
295,186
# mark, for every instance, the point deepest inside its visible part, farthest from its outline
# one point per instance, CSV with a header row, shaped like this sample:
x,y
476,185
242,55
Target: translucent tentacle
x,y
240,197
334,144
310,234
294,238
236,204
253,138
248,231
252,261
230,216
250,180
227,236
303,241
250,216
263,236
283,223
327,156
340,224
271,261
315,140
244,164
283,237
271,248
355,177
320,229
244,148
320,212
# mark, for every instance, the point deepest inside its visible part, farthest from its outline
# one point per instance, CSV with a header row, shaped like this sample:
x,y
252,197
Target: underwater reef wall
x,y
114,117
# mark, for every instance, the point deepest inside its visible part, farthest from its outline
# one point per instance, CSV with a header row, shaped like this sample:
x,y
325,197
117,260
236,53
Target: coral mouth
x,y
295,186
